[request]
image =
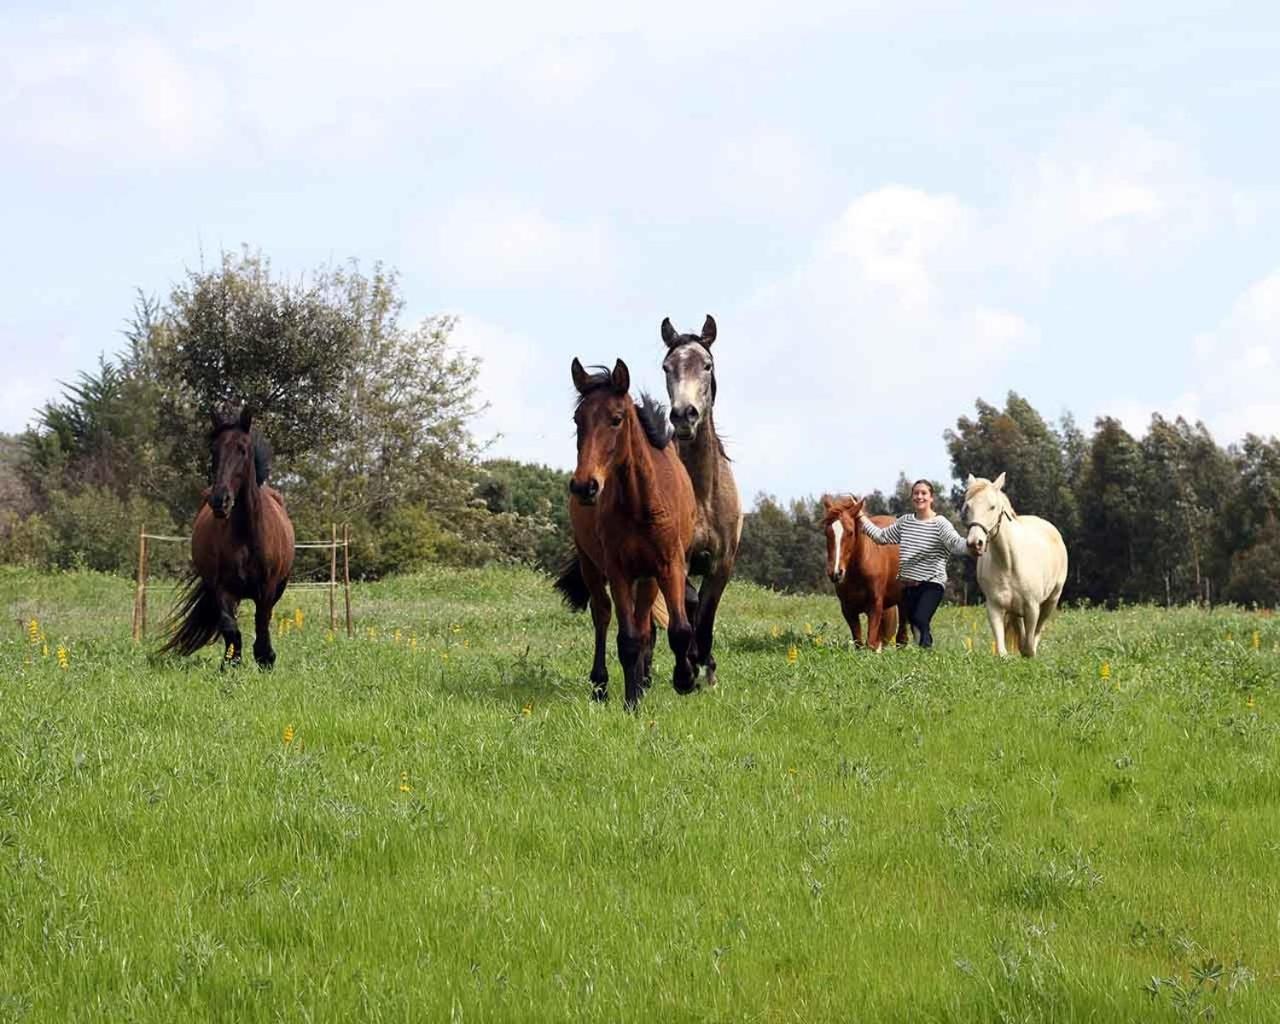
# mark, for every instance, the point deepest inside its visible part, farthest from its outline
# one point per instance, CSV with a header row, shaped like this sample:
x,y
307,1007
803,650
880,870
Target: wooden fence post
x,y
140,597
333,577
346,573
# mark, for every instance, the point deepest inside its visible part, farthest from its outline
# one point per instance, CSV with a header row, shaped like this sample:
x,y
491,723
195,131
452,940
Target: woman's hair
x,y
926,483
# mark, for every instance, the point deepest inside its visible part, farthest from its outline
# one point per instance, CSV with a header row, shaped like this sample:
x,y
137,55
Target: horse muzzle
x,y
837,577
221,507
685,421
585,491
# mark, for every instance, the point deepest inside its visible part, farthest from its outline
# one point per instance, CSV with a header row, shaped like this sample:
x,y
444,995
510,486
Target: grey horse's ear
x,y
580,376
998,482
669,334
621,378
708,331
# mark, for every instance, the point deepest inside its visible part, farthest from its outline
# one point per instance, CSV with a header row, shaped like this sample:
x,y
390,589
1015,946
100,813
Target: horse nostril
x,y
593,488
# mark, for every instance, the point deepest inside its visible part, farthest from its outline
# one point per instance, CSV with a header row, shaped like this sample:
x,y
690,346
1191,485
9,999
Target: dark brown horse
x,y
632,509
241,548
691,386
865,574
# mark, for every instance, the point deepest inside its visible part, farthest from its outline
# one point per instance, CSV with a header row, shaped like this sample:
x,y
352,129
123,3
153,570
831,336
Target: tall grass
x,y
432,821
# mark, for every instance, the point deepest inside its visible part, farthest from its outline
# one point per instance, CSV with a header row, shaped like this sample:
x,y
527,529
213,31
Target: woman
x,y
924,539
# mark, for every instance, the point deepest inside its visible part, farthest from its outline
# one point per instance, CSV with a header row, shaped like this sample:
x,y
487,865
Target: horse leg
x,y
646,593
263,653
875,615
705,622
1029,633
630,647
996,617
693,611
229,627
890,626
900,614
679,632
601,613
854,618
1047,609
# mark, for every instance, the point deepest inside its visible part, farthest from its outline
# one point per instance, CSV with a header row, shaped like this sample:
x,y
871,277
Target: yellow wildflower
x,y
404,783
1257,640
467,643
44,648
287,735
792,654
527,710
231,652
64,656
1250,703
775,632
1229,637
413,643
297,617
968,643
1105,671
395,637
328,637
808,628
33,631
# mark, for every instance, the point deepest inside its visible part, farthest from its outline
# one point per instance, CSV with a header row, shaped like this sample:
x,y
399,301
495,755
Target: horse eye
x,y
616,421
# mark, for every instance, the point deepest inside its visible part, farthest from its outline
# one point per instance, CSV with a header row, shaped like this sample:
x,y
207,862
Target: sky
x,y
891,210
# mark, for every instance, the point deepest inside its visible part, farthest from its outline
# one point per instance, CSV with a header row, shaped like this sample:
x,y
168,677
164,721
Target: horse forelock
x,y
652,414
837,508
982,484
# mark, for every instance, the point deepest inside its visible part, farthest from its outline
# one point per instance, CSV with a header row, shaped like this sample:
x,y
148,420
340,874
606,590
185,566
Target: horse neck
x,y
635,471
247,513
701,457
1001,545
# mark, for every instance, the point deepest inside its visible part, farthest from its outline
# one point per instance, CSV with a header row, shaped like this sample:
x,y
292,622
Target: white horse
x,y
1022,565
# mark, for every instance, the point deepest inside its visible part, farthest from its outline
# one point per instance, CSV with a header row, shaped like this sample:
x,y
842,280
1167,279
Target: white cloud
x,y
503,243
528,394
124,99
853,348
1239,364
1108,191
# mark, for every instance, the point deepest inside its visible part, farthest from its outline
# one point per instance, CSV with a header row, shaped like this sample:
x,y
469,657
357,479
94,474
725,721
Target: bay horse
x,y
717,532
1022,565
865,574
241,548
632,509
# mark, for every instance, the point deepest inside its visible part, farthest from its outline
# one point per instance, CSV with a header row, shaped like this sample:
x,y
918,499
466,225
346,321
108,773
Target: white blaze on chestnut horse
x,y
1022,565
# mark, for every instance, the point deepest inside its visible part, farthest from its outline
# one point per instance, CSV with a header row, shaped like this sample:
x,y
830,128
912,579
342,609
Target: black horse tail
x,y
572,585
194,620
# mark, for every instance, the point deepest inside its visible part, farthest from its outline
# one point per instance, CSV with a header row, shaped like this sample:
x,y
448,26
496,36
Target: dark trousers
x,y
919,602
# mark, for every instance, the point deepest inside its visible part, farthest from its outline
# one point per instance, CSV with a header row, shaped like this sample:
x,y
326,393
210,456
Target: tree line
x,y
1170,517
371,422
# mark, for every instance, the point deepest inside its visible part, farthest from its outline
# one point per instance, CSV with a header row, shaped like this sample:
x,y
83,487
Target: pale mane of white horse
x,y
1022,565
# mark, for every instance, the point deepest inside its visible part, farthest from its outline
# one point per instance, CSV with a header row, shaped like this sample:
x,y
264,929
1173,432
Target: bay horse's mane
x,y
261,450
652,413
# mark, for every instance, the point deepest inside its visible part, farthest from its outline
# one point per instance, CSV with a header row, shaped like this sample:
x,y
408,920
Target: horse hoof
x,y
599,694
684,689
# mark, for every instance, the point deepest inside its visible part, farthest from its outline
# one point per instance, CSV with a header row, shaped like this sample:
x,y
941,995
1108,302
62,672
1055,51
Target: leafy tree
x,y
1113,514
1018,442
1255,571
784,548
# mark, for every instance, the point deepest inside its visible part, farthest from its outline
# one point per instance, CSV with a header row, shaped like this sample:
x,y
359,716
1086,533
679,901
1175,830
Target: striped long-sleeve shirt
x,y
923,546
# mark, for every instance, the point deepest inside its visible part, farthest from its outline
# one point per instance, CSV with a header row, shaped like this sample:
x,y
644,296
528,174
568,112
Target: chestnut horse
x,y
717,531
865,574
241,548
632,509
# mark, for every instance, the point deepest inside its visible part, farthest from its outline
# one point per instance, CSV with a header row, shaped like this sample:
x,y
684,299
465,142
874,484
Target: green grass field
x,y
431,821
